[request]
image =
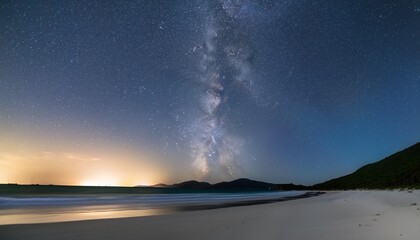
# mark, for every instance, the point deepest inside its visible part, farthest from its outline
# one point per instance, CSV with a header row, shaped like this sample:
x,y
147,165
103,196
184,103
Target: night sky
x,y
141,92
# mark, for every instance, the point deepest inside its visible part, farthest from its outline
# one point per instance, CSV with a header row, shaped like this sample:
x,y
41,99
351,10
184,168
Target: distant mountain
x,y
160,185
399,170
243,183
192,185
238,184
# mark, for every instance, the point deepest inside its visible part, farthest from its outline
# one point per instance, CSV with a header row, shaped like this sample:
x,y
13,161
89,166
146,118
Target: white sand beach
x,y
335,215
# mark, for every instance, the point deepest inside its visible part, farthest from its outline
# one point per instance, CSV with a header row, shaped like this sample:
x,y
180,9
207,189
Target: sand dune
x,y
334,215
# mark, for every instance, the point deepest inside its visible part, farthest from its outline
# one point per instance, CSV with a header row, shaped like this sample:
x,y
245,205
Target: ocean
x,y
58,206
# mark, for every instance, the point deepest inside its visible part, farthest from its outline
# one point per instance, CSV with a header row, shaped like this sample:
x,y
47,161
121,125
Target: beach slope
x,y
334,215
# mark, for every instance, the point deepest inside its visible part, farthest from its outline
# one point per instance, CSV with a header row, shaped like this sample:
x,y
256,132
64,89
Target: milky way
x,y
225,65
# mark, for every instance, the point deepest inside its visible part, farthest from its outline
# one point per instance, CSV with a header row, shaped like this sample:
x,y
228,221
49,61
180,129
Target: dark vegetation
x,y
400,170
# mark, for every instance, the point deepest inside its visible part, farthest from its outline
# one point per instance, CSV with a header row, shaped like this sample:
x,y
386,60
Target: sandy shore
x,y
334,215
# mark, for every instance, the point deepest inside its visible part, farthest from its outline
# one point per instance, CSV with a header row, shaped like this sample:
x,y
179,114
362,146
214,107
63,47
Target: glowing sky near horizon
x,y
51,161
143,92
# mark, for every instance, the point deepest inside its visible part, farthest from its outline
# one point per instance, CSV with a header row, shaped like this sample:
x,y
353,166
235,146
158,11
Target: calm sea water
x,y
75,207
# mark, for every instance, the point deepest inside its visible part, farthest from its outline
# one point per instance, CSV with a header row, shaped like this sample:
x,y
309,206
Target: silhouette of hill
x,y
243,183
192,185
399,170
238,184
159,185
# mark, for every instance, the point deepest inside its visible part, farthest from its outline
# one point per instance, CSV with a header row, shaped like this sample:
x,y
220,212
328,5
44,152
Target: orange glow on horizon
x,y
25,162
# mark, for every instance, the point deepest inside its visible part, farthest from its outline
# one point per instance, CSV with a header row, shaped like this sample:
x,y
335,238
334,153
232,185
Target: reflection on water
x,y
36,215
43,209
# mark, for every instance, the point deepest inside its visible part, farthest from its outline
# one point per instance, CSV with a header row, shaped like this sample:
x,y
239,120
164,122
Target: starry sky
x,y
142,92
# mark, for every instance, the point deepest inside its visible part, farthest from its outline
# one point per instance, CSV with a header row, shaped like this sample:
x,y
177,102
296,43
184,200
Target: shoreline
x,y
247,203
344,215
